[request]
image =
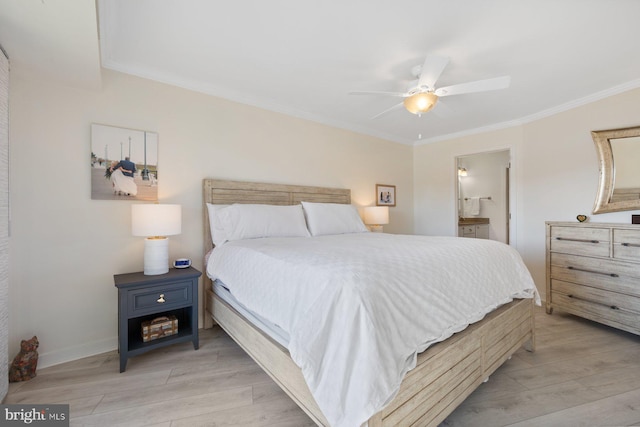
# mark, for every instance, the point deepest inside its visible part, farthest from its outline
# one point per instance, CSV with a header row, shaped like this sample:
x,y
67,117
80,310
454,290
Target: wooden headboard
x,y
223,192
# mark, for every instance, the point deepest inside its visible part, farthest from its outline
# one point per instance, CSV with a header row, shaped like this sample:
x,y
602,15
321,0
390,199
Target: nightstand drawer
x,y
142,301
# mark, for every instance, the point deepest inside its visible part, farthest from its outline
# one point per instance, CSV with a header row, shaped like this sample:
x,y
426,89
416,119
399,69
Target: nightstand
x,y
143,298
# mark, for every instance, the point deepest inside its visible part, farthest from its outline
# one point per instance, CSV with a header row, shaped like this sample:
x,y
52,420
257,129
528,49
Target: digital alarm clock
x,y
182,263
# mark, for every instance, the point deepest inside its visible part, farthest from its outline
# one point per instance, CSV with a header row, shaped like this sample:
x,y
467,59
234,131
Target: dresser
x,y
593,271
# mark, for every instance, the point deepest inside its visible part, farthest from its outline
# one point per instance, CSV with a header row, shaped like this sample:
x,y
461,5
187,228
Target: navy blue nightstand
x,y
143,298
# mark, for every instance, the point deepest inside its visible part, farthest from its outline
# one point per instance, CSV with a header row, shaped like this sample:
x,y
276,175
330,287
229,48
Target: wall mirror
x,y
618,156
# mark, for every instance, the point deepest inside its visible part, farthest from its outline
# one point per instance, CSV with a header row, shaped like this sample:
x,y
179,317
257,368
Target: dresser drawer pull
x,y
577,240
593,271
631,245
161,299
612,307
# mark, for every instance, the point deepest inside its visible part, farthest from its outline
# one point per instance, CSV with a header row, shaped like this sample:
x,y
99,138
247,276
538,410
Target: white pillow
x,y
332,218
218,234
242,221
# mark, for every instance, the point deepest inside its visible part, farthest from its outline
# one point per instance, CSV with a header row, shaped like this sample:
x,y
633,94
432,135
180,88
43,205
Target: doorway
x,y
483,190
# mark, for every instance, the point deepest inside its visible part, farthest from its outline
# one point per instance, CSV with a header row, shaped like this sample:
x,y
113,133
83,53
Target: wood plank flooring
x,y
582,374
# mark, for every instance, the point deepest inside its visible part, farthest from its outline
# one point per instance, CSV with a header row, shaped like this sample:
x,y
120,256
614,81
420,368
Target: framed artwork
x,y
385,195
124,164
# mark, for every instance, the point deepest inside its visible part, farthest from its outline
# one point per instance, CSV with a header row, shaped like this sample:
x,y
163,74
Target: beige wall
x,y
435,173
66,247
555,173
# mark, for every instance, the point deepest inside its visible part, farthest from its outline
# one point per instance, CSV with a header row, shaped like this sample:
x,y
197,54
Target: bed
x,y
444,374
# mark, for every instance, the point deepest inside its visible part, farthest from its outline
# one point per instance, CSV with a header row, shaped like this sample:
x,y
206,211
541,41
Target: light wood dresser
x,y
593,271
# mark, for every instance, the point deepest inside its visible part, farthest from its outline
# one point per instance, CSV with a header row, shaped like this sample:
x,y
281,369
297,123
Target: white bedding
x,y
359,307
275,332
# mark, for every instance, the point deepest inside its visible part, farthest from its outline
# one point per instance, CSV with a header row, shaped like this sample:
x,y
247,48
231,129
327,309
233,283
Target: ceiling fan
x,y
422,97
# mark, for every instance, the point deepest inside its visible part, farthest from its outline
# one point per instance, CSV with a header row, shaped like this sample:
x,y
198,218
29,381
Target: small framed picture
x,y
385,195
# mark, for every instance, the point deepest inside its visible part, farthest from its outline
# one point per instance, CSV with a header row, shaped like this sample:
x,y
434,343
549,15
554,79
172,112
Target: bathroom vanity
x,y
477,228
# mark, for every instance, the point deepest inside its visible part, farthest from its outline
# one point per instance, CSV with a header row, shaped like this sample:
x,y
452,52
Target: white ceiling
x,y
303,57
57,38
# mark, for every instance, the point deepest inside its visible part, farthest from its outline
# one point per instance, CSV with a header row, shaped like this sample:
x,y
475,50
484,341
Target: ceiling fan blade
x,y
431,70
388,110
477,86
399,94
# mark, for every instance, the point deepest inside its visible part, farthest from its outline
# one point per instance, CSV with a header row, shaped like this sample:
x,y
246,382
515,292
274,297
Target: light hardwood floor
x,y
582,374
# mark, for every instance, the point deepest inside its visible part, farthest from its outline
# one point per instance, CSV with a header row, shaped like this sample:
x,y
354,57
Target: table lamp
x,y
375,217
156,222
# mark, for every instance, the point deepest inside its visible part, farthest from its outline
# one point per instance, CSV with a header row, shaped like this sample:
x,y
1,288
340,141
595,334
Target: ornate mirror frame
x,y
603,202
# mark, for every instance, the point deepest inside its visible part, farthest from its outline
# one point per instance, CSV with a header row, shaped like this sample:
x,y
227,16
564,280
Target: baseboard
x,y
77,352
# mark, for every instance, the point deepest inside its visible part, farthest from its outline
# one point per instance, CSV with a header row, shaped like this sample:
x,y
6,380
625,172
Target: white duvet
x,y
359,307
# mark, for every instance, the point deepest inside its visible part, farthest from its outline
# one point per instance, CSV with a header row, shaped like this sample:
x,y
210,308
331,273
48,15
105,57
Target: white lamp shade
x,y
156,220
376,215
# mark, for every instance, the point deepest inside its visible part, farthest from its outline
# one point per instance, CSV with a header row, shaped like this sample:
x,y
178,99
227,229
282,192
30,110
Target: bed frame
x,y
446,373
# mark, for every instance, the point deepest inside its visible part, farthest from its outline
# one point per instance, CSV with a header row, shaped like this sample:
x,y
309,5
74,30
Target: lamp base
x,y
376,228
156,256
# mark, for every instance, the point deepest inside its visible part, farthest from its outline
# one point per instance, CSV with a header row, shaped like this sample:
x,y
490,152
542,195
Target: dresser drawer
x,y
580,233
596,303
626,244
580,241
168,297
599,273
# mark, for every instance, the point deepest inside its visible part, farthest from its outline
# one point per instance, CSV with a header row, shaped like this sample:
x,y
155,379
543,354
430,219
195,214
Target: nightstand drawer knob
x,y
161,299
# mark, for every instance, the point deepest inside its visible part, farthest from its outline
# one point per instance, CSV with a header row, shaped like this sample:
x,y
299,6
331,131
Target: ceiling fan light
x,y
420,102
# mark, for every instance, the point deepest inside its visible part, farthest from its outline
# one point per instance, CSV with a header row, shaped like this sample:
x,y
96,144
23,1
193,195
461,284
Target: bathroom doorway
x,y
483,192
